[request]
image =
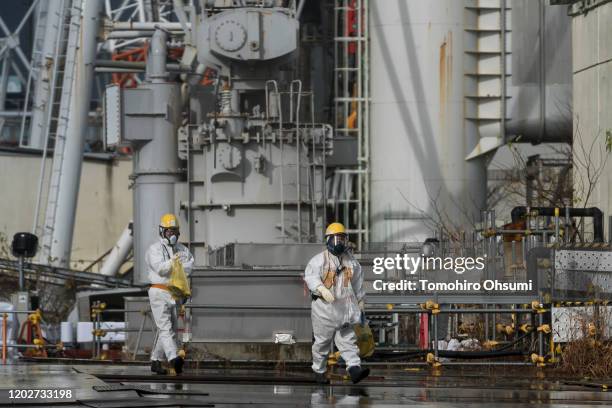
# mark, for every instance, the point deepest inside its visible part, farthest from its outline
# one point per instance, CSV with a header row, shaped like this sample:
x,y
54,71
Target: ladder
x,y
351,106
59,112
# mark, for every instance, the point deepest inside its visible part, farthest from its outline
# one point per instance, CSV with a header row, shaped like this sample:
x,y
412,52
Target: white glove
x,y
361,305
325,294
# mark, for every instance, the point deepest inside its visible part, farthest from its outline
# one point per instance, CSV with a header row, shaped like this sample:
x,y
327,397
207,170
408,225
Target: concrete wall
x,y
104,207
592,72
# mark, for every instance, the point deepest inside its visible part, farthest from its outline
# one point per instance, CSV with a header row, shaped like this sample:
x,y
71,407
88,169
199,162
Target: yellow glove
x,y
325,294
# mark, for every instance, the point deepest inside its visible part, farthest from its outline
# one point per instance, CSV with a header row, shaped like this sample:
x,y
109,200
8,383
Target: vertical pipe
x,y
21,276
556,226
395,321
72,155
346,92
567,225
359,44
155,165
336,66
42,102
347,196
493,239
435,330
542,79
366,118
99,347
189,194
540,335
298,152
4,80
282,163
503,69
45,144
4,335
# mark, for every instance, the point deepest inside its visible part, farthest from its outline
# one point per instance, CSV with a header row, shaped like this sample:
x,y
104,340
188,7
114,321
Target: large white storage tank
x,y
418,136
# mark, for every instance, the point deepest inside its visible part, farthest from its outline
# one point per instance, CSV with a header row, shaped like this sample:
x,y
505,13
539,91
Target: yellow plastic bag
x,y
179,284
365,340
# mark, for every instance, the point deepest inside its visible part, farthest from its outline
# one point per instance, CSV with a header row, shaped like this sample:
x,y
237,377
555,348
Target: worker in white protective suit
x,y
335,281
164,307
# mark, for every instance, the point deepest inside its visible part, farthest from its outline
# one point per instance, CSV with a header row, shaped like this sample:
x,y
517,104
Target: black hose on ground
x,y
499,352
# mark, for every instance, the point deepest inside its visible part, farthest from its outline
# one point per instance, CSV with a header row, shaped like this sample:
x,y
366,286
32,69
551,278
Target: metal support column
x,y
70,138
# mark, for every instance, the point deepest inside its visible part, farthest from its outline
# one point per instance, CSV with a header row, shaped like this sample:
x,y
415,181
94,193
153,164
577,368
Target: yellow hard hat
x,y
335,228
169,221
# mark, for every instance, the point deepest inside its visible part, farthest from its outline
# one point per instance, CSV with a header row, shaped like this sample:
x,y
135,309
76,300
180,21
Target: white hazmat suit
x,y
334,321
163,306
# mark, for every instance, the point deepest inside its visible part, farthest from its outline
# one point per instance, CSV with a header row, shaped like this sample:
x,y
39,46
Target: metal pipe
x,y
21,275
34,346
135,34
435,330
4,336
453,311
24,311
542,69
120,330
593,212
47,118
62,200
488,363
245,307
541,335
503,69
99,338
298,151
179,11
300,8
44,88
149,25
156,164
119,252
557,226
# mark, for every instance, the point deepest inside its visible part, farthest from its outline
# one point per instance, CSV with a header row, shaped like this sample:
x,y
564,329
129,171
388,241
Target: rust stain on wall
x,y
445,75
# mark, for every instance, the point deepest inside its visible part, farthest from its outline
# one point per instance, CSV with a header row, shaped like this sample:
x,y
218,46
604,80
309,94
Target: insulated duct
x,y
541,105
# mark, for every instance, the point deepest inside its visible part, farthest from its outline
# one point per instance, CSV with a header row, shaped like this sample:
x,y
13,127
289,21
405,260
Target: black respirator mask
x,y
169,235
336,244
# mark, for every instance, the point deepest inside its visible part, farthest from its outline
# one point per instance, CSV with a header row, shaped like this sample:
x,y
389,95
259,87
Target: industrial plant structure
x,y
432,129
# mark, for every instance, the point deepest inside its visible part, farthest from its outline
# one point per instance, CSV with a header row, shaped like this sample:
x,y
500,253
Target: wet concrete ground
x,y
115,385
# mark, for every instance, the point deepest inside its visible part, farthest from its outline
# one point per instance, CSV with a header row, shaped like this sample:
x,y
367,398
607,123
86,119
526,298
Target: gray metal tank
x,y
419,138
